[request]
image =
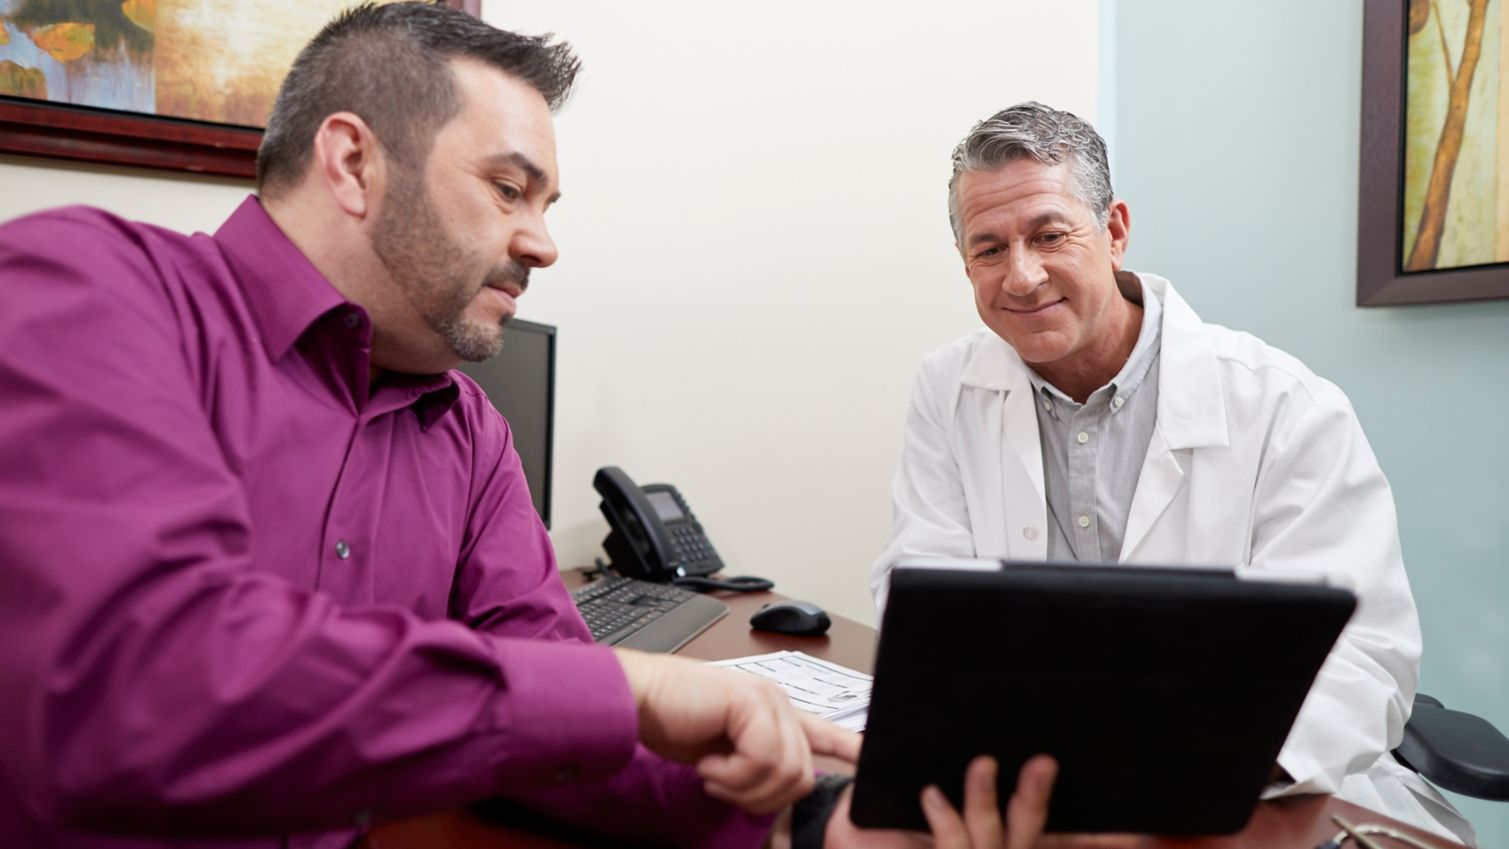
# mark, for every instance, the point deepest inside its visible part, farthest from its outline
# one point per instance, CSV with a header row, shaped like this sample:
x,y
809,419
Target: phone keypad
x,y
692,546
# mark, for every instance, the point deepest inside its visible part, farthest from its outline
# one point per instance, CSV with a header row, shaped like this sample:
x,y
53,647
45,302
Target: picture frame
x,y
1381,279
137,139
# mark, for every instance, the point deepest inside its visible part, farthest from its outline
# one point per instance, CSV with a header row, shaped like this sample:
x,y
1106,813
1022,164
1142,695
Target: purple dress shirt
x,y
244,593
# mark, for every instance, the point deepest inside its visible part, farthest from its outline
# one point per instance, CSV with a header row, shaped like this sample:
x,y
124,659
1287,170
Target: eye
x,y
989,252
1050,239
508,191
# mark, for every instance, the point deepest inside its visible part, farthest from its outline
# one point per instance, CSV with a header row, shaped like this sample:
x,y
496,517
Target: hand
x,y
751,747
981,826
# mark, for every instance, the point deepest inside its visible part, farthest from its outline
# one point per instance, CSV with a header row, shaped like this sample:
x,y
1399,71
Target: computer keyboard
x,y
643,615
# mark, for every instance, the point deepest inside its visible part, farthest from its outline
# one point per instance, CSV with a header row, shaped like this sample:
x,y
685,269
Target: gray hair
x,y
1048,135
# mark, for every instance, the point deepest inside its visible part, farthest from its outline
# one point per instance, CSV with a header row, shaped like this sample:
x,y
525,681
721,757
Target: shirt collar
x,y
1143,353
431,396
286,292
287,295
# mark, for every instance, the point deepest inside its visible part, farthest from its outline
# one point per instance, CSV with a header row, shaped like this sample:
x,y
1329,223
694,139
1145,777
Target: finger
x,y
745,800
825,738
755,735
982,813
770,769
739,777
797,769
1027,812
947,827
788,775
762,799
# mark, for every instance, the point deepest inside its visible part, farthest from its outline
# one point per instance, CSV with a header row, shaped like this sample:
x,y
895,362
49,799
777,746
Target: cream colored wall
x,y
755,253
754,250
186,203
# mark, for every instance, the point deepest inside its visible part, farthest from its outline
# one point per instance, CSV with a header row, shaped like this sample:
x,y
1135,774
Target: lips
x,y
1035,309
505,297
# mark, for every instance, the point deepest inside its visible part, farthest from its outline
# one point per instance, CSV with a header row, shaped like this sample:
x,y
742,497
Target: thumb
x,y
825,738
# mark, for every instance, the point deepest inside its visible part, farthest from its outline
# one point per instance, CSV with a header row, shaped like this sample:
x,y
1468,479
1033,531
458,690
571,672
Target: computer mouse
x,y
802,618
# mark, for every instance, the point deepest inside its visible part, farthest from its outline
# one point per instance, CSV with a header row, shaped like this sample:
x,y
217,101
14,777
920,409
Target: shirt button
x,y
1029,532
342,550
1082,438
1084,521
1117,402
1048,405
352,320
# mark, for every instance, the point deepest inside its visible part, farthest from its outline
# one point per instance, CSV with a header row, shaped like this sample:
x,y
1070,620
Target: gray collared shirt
x,y
1093,452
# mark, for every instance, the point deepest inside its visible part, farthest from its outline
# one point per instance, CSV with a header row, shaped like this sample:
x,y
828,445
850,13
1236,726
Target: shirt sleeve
x,y
157,682
507,580
508,584
1323,506
930,515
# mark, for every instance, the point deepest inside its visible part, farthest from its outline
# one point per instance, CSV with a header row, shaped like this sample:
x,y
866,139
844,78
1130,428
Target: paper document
x,y
835,693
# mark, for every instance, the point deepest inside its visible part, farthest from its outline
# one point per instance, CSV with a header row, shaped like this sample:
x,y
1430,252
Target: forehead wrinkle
x,y
1037,222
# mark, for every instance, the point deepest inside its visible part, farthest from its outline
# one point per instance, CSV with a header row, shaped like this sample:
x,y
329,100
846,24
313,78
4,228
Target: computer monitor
x,y
520,381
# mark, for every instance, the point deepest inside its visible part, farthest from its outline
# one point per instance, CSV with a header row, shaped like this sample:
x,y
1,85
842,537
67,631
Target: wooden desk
x,y
1295,823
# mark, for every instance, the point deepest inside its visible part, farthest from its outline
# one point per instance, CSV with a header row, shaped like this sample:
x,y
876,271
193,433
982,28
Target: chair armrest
x,y
1456,751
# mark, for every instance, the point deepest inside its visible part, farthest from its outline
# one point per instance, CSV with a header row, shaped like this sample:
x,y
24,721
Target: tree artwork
x,y
1456,192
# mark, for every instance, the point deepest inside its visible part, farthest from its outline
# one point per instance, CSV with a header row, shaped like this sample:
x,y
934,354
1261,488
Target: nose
x,y
532,245
1024,273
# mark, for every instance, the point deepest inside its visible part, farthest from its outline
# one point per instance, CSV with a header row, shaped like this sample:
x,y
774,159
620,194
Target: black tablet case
x,y
1165,694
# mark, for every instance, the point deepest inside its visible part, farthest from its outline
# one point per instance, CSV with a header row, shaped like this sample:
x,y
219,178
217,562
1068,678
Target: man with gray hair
x,y
1098,419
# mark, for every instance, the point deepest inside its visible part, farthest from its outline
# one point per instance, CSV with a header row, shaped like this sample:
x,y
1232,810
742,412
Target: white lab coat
x,y
1254,462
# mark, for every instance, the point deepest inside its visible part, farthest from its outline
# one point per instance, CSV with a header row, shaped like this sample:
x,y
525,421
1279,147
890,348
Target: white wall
x,y
187,202
755,253
754,250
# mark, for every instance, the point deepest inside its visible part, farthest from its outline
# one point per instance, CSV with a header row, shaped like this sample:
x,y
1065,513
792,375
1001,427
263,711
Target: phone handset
x,y
638,543
655,536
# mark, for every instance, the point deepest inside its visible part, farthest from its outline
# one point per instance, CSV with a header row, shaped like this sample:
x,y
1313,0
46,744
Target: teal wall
x,y
1235,144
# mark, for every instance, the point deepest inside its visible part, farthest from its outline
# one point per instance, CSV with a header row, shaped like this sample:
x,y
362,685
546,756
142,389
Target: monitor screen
x,y
520,381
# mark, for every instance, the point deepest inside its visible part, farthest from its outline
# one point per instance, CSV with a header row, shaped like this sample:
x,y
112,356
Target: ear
x,y
1118,226
349,161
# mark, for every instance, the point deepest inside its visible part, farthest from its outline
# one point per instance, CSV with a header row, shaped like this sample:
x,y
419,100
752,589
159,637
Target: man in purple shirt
x,y
270,570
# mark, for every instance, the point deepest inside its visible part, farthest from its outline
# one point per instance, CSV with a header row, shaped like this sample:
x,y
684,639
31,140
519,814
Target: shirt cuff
x,y
564,713
1305,774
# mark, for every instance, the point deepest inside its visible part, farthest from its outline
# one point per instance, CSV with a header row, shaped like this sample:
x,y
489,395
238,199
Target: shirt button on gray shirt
x,y
1093,452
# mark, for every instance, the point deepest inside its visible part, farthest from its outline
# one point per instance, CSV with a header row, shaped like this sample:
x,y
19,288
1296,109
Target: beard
x,y
431,268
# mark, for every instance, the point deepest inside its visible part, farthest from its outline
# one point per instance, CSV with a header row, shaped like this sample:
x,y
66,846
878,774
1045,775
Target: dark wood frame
x,y
64,131
1380,207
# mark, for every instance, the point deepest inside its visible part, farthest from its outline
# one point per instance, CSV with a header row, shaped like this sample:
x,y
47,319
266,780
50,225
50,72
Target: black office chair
x,y
1456,751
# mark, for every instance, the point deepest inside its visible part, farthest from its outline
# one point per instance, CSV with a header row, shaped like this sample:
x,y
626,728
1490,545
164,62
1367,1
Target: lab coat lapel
x,y
997,374
1022,474
1191,414
1161,479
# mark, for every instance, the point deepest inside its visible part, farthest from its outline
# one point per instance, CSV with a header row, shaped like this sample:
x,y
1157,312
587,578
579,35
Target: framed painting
x,y
184,85
1433,188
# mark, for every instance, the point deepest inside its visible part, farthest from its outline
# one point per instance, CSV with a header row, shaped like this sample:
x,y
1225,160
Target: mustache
x,y
511,272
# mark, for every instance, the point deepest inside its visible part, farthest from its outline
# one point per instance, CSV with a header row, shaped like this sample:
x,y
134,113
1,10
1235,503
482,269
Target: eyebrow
x,y
523,163
1037,223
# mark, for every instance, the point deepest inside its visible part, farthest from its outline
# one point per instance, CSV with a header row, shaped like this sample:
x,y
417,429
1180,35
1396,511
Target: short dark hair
x,y
389,64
